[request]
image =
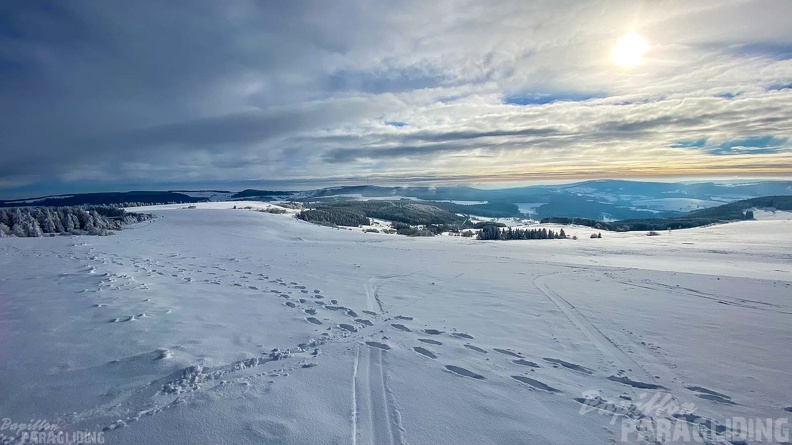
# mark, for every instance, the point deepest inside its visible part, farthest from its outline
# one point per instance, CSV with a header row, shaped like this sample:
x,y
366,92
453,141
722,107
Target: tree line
x,y
334,217
493,232
406,211
76,220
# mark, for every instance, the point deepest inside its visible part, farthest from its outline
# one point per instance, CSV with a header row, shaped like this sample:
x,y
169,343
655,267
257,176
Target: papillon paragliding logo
x,y
41,431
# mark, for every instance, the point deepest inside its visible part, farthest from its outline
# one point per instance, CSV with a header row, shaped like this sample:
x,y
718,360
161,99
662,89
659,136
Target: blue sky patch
x,y
751,145
692,143
548,98
781,86
776,51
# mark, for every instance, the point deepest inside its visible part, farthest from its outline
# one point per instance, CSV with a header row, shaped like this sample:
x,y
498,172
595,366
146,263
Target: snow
x,y
675,204
464,203
208,194
529,208
215,205
360,197
508,222
769,213
201,327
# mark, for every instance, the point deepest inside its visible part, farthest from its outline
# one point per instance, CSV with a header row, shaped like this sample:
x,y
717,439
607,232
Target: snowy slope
x,y
213,325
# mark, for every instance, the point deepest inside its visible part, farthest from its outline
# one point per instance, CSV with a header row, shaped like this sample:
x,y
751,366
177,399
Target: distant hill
x,y
606,200
733,211
112,198
250,193
598,199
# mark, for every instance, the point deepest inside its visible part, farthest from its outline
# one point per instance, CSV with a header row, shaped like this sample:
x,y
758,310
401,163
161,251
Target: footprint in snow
x,y
432,331
425,352
534,383
313,320
635,384
347,327
708,394
401,327
462,335
364,322
476,348
568,365
507,352
163,354
526,363
464,372
378,345
430,341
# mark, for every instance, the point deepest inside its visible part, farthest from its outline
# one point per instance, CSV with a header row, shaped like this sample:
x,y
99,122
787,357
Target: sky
x,y
112,95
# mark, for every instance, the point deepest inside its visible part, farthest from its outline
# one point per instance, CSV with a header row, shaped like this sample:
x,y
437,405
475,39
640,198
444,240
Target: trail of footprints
x,y
339,323
310,302
315,308
342,321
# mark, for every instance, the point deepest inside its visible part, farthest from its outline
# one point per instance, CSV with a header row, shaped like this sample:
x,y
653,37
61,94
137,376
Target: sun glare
x,y
629,50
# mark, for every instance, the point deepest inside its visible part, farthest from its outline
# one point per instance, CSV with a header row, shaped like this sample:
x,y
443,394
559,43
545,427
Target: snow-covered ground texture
x,y
213,325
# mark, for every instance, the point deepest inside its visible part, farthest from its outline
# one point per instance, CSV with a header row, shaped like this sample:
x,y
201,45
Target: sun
x,y
629,50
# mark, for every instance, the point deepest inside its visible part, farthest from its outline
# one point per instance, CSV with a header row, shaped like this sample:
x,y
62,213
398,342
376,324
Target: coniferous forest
x,y
74,220
493,232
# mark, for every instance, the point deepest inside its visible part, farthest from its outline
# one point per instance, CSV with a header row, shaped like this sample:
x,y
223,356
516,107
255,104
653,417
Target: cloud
x,y
108,93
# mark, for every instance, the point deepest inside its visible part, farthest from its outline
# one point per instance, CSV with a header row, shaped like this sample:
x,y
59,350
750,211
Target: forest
x,y
72,220
493,232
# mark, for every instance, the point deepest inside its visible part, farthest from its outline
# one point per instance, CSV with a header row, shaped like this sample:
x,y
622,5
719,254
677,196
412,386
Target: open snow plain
x,y
220,326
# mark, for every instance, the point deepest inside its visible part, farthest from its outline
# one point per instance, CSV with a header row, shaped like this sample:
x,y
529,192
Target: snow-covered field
x,y
213,325
676,204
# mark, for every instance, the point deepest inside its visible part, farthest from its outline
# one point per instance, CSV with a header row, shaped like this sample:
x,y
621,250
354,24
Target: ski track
x,y
616,354
618,357
609,349
376,419
373,301
686,292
